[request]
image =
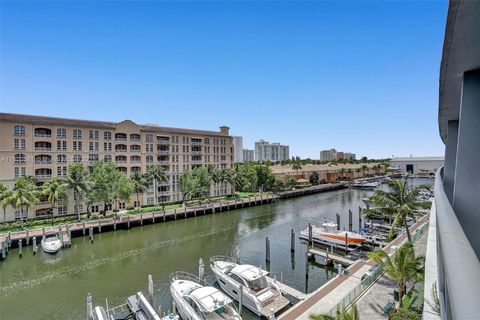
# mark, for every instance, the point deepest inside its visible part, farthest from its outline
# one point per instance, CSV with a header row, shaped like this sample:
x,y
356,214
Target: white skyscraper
x,y
237,149
265,150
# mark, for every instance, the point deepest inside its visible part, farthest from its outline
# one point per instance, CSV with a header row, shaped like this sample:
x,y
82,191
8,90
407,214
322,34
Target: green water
x,y
117,264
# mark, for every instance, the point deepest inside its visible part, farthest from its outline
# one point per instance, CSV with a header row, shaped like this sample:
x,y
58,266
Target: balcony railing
x,y
43,161
197,143
120,150
43,176
451,263
43,148
196,152
43,135
196,161
163,162
163,151
163,142
120,139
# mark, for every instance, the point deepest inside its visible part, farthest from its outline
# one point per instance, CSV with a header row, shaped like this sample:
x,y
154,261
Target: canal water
x,y
117,264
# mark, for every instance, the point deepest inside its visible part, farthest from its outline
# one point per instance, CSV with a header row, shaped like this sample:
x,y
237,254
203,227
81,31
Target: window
x,y
149,158
107,146
19,130
96,146
61,132
107,157
150,200
77,145
135,148
61,145
20,158
77,133
93,157
19,172
107,135
149,147
62,210
77,158
149,137
61,158
79,209
206,141
18,215
61,171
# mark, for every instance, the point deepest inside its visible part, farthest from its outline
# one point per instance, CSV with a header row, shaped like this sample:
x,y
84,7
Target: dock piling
x,y
150,289
359,218
164,215
114,224
89,306
175,213
292,241
185,211
9,237
240,301
267,249
4,249
346,243
310,235
350,218
153,217
338,221
83,228
99,225
27,238
34,244
201,269
20,251
128,222
90,234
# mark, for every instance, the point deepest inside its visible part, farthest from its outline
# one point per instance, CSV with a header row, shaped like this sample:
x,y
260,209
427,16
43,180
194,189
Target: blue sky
x,y
354,75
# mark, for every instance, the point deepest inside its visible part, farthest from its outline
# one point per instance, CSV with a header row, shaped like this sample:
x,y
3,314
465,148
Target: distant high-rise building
x,y
248,155
266,151
237,149
328,155
332,154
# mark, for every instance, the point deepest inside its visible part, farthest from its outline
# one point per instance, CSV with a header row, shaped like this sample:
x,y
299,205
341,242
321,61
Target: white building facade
x,y
248,155
417,165
237,149
266,151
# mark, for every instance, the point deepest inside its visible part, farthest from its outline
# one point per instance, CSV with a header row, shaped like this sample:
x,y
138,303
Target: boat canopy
x,y
249,272
209,298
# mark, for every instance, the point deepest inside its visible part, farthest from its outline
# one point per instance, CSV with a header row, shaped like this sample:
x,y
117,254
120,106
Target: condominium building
x,y
248,155
266,151
332,154
43,147
237,149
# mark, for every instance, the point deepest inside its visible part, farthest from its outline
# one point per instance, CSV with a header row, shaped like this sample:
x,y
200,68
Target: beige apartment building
x,y
43,147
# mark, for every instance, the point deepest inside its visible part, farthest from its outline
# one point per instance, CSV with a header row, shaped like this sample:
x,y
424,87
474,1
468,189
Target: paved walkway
x,y
371,303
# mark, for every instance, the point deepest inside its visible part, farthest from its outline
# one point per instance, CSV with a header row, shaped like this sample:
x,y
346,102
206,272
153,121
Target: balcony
x,y
196,153
43,133
163,162
163,141
197,161
43,161
196,142
451,263
163,151
43,148
43,176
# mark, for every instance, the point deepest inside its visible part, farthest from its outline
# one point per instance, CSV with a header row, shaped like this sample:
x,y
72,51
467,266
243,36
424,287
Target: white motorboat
x,y
259,293
366,185
51,242
328,234
197,301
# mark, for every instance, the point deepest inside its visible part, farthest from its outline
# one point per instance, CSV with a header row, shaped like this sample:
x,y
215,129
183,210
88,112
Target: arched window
x,y
61,132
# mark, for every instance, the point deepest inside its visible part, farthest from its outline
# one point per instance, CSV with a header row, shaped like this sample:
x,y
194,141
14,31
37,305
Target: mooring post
x,y
34,245
69,232
4,249
201,269
43,232
213,207
150,288
338,221
267,249
175,213
61,236
153,217
310,234
83,228
164,214
185,211
359,218
350,218
9,237
90,234
27,238
89,306
141,219
99,225
20,244
292,241
114,224
306,266
128,222
346,243
240,301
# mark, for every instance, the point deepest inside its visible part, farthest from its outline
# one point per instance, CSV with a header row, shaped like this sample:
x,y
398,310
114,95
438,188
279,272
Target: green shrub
x,y
403,314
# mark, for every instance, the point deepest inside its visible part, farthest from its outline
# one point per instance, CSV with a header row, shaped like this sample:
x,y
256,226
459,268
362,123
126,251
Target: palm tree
x,y
342,171
24,196
235,177
398,200
140,185
5,193
349,171
77,181
55,190
341,314
297,165
402,266
364,169
156,174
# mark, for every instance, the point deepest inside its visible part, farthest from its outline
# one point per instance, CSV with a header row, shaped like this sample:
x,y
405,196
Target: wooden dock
x,y
286,289
92,227
332,256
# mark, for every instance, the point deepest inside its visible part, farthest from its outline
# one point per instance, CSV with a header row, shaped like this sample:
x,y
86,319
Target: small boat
x,y
365,185
260,294
328,234
51,242
197,301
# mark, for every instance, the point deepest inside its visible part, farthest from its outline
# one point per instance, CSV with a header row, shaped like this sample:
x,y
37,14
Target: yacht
x,y
260,294
329,235
51,242
197,301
